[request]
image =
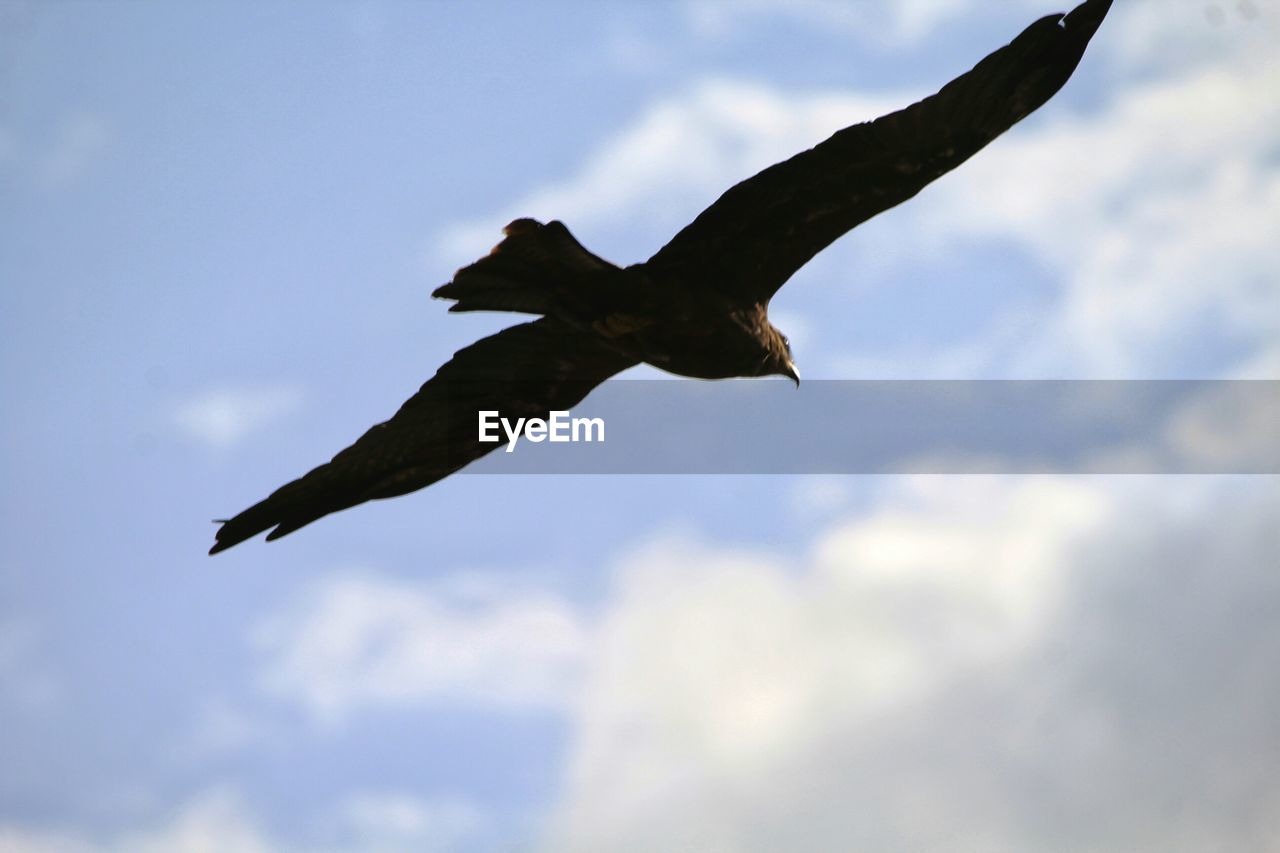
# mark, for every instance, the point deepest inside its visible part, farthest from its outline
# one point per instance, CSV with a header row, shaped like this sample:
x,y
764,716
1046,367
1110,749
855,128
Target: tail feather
x,y
532,271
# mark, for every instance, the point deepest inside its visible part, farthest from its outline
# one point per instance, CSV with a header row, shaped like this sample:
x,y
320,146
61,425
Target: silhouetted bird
x,y
699,307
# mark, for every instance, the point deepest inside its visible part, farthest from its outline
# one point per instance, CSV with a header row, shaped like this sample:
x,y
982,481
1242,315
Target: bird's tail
x,y
536,269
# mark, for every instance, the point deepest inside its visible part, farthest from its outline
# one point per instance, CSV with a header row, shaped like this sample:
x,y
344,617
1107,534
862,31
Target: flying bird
x,y
698,308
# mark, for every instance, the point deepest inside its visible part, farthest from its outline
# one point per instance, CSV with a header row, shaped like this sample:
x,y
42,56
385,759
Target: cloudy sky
x,y
221,224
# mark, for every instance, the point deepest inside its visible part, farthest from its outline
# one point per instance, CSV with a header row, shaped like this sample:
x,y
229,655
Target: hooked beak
x,y
791,372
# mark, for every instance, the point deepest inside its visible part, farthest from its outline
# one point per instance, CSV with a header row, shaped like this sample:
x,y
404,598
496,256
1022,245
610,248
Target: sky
x,y
221,226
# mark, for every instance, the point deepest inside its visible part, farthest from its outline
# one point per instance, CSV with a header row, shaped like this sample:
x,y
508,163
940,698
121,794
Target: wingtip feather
x,y
1086,18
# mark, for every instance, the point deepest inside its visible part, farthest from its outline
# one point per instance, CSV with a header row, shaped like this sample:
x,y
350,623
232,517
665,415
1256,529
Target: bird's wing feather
x,y
525,371
756,235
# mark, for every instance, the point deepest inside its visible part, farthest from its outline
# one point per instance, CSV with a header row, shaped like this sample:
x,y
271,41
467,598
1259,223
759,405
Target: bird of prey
x,y
698,308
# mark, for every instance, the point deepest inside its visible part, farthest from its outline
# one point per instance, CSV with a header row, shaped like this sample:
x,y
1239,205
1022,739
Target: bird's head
x,y
779,361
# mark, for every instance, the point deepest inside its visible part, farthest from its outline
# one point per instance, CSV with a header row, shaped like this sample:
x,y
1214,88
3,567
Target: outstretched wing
x,y
525,371
756,235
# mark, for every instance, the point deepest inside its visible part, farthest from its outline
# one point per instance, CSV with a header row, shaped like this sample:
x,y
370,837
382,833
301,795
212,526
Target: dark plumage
x,y
699,307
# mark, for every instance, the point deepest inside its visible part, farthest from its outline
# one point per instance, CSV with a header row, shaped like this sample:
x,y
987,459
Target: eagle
x,y
697,308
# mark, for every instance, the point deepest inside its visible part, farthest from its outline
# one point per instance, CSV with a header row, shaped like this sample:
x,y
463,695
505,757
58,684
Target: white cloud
x,y
1157,35
218,820
211,822
220,728
1157,212
356,641
25,682
396,821
57,162
674,159
223,417
998,664
80,140
899,23
1144,33
818,496
19,839
982,664
714,665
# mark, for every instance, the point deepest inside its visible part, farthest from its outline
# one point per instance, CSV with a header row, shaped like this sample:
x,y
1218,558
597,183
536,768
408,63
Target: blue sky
x,y
222,223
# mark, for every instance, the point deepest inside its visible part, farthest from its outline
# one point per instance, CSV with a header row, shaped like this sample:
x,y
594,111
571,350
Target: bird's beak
x,y
792,373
